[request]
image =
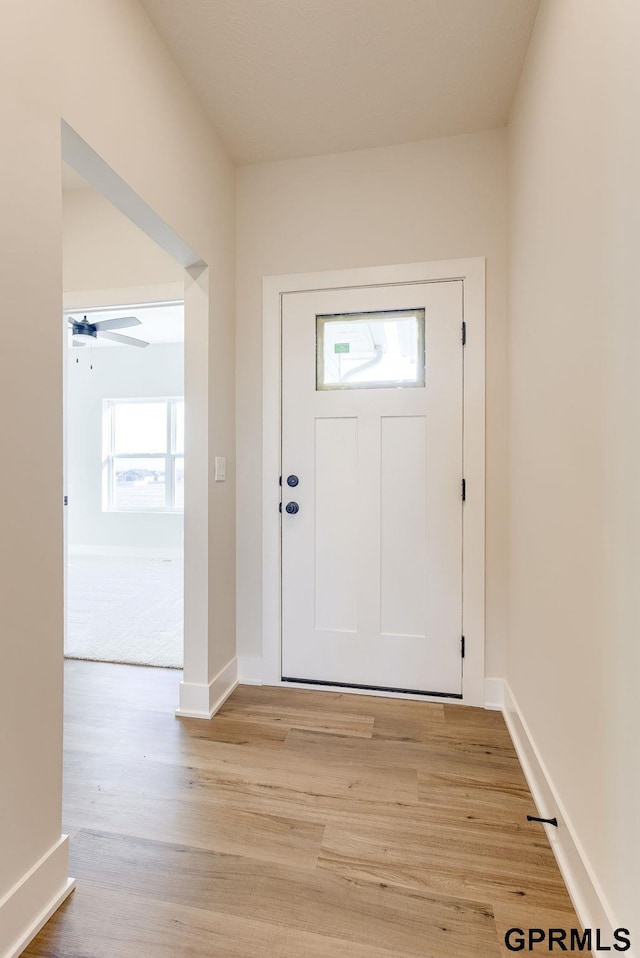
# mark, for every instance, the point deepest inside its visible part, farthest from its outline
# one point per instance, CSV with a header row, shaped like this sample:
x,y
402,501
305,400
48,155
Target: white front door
x,y
372,427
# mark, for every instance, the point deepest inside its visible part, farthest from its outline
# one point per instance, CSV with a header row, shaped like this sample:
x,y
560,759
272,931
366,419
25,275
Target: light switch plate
x,y
220,469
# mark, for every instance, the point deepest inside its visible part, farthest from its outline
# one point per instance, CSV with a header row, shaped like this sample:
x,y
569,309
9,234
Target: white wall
x,y
103,250
440,199
574,451
118,373
101,67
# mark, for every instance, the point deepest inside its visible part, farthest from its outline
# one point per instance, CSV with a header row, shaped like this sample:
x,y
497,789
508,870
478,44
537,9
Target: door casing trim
x,y
472,274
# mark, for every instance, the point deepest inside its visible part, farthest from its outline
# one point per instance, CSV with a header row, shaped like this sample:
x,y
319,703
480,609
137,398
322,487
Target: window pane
x,y
179,427
179,484
368,350
139,484
140,427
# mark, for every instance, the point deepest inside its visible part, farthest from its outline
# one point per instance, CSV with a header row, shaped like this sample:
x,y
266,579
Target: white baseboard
x,y
250,670
587,896
38,893
203,701
134,552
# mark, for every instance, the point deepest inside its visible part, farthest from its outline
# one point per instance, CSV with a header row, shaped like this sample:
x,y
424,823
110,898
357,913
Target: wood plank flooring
x,y
295,823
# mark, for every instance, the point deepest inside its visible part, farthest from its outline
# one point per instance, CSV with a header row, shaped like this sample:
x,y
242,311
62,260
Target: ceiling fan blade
x,y
121,322
125,340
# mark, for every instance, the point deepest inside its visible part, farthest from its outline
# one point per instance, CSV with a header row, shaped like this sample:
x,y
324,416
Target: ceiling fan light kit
x,y
82,338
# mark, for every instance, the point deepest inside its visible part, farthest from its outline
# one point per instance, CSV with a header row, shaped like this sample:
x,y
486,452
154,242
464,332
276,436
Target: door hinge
x,y
464,334
279,507
462,646
464,490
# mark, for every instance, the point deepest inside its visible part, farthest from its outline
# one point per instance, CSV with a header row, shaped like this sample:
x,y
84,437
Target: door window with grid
x,y
143,455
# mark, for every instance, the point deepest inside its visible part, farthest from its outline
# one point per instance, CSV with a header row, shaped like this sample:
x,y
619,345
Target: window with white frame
x,y
143,455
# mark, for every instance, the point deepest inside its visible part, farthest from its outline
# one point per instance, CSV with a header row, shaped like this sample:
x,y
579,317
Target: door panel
x,y
403,533
372,561
336,524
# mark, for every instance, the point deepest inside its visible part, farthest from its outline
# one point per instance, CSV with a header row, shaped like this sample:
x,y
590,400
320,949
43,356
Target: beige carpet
x,y
126,610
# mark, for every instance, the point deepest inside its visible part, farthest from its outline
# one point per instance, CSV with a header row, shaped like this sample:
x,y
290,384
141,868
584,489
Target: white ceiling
x,y
159,323
289,78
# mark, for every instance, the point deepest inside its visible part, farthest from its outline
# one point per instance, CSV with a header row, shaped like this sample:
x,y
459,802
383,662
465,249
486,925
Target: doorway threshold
x,y
371,688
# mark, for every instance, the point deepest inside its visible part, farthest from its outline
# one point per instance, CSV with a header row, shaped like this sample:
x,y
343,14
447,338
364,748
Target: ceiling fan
x,y
85,333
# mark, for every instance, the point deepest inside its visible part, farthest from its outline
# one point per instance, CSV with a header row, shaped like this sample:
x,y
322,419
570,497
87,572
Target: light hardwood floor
x,y
293,824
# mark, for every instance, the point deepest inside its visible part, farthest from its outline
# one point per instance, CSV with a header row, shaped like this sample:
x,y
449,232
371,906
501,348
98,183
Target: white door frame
x,y
472,274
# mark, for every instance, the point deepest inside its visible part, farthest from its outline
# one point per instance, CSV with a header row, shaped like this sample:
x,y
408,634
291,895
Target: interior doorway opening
x,y
186,282
124,484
